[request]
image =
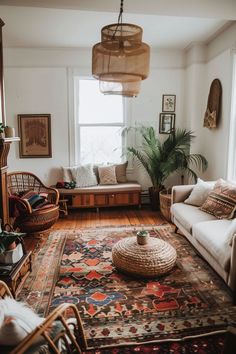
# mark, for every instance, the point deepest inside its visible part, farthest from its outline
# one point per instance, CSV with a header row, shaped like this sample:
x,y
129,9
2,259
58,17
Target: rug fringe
x,y
130,344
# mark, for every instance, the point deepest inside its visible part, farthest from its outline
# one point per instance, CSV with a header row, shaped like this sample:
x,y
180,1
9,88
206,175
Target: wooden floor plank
x,y
108,217
79,218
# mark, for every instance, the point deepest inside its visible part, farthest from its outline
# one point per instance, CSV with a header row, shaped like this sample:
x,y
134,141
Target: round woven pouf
x,y
155,258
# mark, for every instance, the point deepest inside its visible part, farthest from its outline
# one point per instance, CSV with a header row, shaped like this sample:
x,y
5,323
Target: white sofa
x,y
207,234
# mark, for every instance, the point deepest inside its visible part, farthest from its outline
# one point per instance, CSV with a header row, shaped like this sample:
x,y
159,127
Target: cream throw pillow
x,y
107,175
200,192
84,176
66,174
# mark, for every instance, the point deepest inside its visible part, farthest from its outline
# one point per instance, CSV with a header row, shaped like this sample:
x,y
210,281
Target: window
x,y
100,121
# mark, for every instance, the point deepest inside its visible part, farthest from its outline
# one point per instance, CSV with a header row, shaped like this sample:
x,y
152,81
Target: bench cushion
x,y
114,188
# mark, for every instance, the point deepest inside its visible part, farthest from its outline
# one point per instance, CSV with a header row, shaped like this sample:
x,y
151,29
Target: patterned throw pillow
x,y
221,202
107,175
121,172
84,176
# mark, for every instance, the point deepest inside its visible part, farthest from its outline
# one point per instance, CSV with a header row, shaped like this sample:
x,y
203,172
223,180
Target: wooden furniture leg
x,y
63,206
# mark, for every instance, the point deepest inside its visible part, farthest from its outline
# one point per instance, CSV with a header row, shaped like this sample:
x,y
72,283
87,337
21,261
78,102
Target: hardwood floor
x,y
109,217
78,218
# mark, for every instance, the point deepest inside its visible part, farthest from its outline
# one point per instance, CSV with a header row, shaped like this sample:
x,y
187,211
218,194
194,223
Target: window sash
x,y
79,125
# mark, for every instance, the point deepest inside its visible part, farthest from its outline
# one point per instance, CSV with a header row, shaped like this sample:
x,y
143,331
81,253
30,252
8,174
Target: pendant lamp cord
x,y
119,22
121,11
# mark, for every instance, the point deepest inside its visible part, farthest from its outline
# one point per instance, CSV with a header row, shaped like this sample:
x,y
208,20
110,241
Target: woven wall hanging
x,y
211,117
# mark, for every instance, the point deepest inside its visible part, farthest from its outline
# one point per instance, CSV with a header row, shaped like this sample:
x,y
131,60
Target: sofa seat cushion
x,y
116,188
212,236
188,215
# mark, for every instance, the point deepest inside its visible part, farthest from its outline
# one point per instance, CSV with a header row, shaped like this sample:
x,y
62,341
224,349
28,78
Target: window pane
x,y
100,144
94,107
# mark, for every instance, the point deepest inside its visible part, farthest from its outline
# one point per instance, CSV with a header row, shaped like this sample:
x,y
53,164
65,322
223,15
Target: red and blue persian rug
x,y
155,315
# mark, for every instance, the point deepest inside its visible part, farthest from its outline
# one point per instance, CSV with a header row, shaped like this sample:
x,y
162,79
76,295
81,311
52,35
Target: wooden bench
x,y
121,194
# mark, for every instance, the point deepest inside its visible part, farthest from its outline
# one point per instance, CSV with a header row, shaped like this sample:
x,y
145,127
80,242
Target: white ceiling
x,y
77,23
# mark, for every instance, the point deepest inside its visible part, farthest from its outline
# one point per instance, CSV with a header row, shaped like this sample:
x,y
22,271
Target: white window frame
x,y
74,126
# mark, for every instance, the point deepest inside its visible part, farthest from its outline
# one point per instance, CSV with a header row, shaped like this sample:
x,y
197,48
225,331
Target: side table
x,y
16,276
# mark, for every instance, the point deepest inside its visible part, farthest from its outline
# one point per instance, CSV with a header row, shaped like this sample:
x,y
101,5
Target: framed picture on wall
x,y
166,123
35,135
168,103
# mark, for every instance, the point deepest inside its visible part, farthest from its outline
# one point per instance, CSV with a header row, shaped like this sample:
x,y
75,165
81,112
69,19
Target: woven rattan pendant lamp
x,y
121,60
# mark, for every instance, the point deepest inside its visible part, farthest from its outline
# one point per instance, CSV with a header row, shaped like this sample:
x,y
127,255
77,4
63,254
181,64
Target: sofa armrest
x,y
180,193
232,273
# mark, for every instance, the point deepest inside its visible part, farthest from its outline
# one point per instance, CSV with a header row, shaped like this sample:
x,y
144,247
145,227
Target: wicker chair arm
x,y
4,290
25,204
53,195
43,330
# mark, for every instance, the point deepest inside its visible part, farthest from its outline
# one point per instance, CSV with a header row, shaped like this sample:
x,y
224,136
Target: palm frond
x,y
162,159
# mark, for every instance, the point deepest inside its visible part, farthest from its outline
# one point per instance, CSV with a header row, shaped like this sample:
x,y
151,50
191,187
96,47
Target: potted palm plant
x,y
161,159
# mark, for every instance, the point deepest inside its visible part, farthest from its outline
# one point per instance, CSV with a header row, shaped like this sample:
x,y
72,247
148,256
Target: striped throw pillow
x,y
221,202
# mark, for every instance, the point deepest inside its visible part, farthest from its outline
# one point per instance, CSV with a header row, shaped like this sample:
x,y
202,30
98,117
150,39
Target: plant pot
x,y
9,132
154,198
142,237
12,246
13,255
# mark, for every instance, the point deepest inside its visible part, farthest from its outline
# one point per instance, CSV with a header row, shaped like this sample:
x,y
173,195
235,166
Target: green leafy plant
x,y
143,233
2,127
161,159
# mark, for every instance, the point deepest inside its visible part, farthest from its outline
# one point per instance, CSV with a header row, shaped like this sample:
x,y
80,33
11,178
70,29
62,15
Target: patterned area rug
x,y
39,285
118,310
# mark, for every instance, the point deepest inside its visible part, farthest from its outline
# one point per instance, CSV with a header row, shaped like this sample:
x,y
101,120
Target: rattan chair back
x,y
72,340
20,181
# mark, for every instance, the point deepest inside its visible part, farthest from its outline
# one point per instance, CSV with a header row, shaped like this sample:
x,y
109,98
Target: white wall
x,y
203,65
36,81
215,141
39,90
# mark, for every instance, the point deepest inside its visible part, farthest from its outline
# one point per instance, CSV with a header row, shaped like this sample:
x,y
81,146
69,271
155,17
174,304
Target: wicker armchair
x,y
40,340
32,220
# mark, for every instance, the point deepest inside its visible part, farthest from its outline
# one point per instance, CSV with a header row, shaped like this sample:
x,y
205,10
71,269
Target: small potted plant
x,y
9,132
142,237
11,250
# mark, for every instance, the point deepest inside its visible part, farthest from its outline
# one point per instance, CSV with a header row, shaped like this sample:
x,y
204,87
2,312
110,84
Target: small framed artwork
x,y
168,103
35,135
166,123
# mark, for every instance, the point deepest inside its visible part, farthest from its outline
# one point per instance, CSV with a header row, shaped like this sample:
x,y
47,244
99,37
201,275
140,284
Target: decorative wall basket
x,y
211,117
